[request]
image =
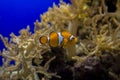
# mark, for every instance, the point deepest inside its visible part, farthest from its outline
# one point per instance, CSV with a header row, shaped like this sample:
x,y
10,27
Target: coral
x,y
96,55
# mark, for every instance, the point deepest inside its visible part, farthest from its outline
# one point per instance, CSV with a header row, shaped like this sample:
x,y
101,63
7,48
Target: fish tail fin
x,y
43,39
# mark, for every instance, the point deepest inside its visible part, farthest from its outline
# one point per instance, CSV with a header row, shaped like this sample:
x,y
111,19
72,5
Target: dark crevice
x,y
111,4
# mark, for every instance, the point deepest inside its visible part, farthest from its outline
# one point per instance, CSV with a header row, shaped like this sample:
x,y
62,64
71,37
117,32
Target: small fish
x,y
61,39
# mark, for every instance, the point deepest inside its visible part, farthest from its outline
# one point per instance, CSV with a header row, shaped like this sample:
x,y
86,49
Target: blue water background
x,y
17,14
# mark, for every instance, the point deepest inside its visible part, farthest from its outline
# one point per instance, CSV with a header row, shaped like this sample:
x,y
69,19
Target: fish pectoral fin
x,y
64,43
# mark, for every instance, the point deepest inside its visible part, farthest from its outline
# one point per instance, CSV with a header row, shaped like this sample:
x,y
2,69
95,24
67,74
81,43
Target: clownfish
x,y
62,39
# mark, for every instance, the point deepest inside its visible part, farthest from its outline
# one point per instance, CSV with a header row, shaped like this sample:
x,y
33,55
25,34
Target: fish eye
x,y
73,38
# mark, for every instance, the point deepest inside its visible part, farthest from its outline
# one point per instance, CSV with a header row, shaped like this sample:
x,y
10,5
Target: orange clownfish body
x,y
55,39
